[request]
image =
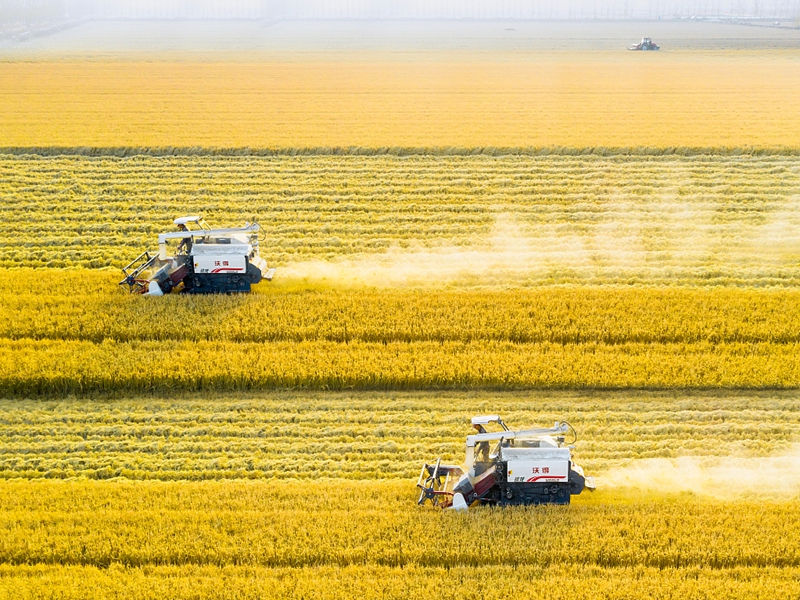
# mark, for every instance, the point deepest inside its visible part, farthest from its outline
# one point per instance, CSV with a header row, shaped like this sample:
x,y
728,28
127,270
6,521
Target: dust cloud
x,y
775,477
779,235
668,242
509,255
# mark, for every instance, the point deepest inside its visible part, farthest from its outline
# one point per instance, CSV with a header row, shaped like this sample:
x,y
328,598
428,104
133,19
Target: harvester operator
x,y
482,454
186,243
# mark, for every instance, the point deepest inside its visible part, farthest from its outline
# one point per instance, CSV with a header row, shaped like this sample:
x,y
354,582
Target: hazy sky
x,y
43,10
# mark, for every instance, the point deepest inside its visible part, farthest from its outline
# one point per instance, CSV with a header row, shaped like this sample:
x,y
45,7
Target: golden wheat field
x,y
371,436
313,486
706,219
572,100
322,337
468,218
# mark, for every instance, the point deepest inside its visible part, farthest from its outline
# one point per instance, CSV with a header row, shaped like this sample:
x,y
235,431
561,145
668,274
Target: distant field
x,y
577,100
387,84
237,41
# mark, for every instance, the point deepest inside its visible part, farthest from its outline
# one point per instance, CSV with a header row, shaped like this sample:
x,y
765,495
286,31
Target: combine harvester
x,y
206,261
530,466
645,44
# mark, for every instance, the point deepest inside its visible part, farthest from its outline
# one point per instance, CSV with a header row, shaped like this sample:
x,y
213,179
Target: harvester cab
x,y
645,44
204,261
507,467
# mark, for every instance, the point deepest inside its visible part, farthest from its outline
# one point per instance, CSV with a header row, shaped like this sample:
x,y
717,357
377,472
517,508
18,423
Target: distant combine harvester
x,y
645,44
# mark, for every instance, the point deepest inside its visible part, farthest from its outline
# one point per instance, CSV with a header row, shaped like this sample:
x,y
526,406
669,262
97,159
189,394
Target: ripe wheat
x,y
387,220
562,99
294,532
53,341
378,435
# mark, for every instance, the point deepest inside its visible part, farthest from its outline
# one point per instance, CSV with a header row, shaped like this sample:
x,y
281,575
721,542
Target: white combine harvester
x,y
531,466
206,261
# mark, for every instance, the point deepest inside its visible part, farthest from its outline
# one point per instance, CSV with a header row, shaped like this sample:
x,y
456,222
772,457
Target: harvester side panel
x,y
219,264
537,464
539,470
